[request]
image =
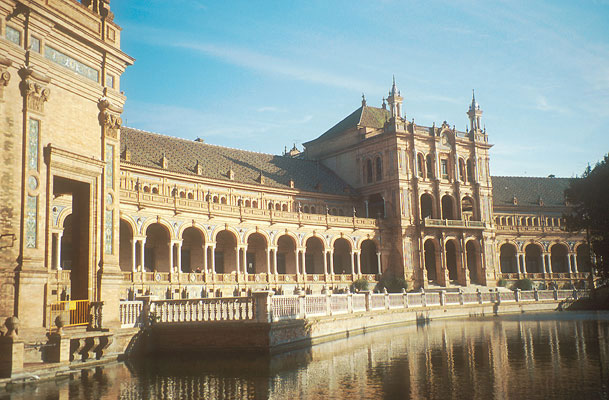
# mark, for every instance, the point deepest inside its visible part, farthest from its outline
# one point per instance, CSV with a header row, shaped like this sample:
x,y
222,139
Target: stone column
x,y
331,262
352,263
276,262
297,261
569,262
326,263
548,262
213,258
58,251
171,248
378,261
238,251
205,247
133,255
357,266
268,261
143,244
179,255
574,263
524,263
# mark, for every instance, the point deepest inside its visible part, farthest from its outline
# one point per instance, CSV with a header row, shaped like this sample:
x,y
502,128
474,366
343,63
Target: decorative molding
x,y
5,76
34,88
109,118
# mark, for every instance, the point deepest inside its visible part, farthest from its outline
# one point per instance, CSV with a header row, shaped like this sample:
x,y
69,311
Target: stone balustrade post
x,y
497,297
12,350
386,299
535,294
350,303
405,297
517,295
368,299
479,295
328,303
555,293
262,306
442,297
423,299
461,297
301,306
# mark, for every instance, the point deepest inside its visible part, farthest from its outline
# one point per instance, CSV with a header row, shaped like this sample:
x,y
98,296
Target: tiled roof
x,y
146,149
367,116
528,191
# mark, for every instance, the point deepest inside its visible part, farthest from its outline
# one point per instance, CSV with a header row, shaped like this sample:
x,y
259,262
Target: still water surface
x,y
527,356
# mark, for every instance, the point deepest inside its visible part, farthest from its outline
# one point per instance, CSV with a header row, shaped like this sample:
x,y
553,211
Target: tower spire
x,y
395,101
474,114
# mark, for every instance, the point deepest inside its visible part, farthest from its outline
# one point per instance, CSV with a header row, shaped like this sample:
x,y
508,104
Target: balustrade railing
x,y
266,307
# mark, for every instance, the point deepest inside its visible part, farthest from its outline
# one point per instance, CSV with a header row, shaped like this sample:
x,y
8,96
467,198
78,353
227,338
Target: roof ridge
x,y
200,143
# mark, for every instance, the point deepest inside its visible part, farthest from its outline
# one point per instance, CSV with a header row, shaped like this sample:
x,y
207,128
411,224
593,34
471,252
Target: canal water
x,y
526,356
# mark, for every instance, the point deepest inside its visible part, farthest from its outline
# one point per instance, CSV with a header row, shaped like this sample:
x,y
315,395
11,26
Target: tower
x,y
474,114
395,101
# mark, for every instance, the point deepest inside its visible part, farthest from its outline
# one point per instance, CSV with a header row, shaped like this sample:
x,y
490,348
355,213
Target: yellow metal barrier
x,y
74,312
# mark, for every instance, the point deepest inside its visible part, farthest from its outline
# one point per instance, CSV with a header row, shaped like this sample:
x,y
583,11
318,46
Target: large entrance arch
x,y
430,260
157,250
342,260
369,259
314,256
225,255
256,255
507,258
192,251
532,256
286,255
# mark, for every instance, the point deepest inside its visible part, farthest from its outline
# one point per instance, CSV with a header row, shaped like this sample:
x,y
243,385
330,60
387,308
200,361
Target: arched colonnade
x,y
545,257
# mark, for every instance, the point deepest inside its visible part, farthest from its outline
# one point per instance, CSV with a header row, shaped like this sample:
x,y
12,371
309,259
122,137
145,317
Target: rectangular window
x,y
35,44
66,61
444,164
13,35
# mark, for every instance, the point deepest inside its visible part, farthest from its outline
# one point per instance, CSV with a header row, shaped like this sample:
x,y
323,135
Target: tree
x,y
588,200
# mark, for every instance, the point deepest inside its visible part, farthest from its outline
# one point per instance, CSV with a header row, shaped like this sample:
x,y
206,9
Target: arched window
x,y
368,171
421,165
430,173
462,170
379,168
470,171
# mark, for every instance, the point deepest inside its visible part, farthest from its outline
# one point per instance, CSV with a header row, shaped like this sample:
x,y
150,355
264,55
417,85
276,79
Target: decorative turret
x,y
395,101
474,114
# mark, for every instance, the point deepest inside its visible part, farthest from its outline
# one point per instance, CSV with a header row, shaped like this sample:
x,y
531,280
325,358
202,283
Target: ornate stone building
x,y
94,212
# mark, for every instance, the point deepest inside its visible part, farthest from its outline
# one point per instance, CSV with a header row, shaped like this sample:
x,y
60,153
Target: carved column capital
x,y
34,88
5,76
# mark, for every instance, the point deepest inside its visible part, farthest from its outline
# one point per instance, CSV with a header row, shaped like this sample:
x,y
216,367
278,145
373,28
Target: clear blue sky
x,y
261,75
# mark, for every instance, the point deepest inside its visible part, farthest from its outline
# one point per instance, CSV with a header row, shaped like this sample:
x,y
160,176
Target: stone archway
x,y
452,260
369,259
286,255
256,254
157,249
507,259
472,255
448,207
533,261
192,253
225,254
125,255
341,259
314,256
430,260
426,206
558,258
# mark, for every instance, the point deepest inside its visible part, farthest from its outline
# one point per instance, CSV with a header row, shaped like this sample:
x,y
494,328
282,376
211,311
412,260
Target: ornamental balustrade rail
x,y
265,307
209,277
454,223
157,201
